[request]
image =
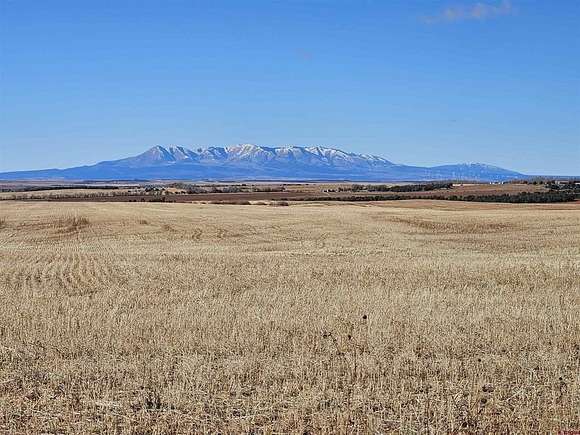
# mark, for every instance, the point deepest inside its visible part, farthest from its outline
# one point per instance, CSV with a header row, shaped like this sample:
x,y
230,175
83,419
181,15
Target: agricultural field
x,y
386,317
239,192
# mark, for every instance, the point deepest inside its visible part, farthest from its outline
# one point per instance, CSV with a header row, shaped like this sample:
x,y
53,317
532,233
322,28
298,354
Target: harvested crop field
x,y
422,316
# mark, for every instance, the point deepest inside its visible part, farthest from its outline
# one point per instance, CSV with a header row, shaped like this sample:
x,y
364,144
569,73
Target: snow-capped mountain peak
x,y
250,161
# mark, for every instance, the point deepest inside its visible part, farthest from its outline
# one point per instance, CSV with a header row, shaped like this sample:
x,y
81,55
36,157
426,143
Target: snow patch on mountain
x,y
250,161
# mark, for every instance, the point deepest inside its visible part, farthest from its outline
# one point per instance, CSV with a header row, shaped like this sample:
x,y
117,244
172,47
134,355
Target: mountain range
x,y
253,162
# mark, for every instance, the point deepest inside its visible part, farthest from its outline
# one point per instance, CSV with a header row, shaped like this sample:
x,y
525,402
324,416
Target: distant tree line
x,y
420,187
63,195
192,189
523,197
353,198
398,188
67,187
572,186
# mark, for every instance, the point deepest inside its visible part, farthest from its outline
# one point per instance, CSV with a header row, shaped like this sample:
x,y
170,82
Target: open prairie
x,y
405,317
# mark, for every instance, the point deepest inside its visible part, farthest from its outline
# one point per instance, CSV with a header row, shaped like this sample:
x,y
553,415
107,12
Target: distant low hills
x,y
253,162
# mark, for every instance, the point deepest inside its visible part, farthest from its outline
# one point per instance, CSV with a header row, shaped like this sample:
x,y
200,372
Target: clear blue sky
x,y
418,82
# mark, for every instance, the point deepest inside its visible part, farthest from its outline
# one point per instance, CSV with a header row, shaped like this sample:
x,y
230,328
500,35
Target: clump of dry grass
x,y
72,222
3,222
456,227
231,202
312,319
279,203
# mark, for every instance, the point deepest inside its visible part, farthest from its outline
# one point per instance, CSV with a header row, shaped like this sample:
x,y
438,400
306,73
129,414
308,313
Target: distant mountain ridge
x,y
253,162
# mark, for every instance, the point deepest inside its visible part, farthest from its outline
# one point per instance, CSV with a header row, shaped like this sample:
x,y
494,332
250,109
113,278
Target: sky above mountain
x,y
417,82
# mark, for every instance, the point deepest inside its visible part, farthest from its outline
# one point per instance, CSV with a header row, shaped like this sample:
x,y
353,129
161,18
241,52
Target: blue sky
x,y
418,82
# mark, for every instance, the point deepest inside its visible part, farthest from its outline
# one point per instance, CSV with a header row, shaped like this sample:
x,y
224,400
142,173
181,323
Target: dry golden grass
x,y
401,317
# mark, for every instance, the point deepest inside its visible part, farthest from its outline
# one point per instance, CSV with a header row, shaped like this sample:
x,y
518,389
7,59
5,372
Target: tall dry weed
x,y
72,222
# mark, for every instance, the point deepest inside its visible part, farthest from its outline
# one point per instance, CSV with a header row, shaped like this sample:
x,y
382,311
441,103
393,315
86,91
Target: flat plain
x,y
397,317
